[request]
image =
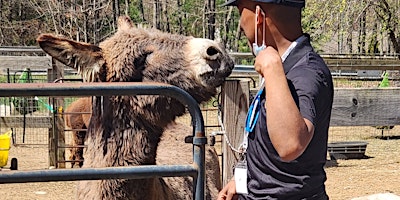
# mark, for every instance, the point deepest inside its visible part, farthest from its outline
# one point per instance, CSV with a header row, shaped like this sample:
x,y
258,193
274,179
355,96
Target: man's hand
x,y
268,62
228,192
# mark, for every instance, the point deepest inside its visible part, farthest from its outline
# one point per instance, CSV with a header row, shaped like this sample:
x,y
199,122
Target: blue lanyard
x,y
255,106
254,109
254,112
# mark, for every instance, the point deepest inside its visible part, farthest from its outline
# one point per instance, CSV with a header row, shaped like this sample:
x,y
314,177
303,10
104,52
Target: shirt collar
x,y
302,47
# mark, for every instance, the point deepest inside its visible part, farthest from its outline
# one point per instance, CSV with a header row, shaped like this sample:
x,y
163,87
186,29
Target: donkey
x,y
126,130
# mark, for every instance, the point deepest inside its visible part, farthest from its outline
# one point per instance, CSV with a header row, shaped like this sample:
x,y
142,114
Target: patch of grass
x,y
3,79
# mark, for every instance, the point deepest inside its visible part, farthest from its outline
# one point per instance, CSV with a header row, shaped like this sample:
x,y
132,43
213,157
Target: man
x,y
287,127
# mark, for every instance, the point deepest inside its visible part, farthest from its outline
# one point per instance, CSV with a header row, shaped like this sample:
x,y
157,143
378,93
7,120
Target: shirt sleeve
x,y
306,81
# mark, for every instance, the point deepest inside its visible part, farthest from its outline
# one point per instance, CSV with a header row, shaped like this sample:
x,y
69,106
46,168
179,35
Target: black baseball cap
x,y
292,3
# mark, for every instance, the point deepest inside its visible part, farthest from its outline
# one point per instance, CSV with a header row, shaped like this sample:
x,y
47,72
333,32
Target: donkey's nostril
x,y
212,51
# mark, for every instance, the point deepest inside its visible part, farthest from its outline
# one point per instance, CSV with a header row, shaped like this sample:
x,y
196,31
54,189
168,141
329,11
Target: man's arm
x,y
289,132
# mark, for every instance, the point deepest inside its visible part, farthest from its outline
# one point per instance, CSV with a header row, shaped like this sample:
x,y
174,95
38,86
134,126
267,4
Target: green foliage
x,y
3,79
134,12
385,80
320,26
244,47
192,11
331,23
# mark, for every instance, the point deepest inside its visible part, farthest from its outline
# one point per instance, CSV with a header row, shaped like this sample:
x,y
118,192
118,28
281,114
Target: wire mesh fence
x,y
26,113
352,133
29,118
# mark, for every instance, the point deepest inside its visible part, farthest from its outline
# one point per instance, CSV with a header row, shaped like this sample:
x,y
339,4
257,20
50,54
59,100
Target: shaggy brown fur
x,y
167,153
126,130
77,119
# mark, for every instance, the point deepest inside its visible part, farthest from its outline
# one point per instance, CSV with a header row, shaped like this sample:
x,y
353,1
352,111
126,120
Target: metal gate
x,y
196,170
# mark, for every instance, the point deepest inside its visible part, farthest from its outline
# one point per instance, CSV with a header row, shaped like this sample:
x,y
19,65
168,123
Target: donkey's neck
x,y
125,138
126,132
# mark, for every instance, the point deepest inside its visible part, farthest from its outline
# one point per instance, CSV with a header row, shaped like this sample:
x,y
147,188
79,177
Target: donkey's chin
x,y
212,79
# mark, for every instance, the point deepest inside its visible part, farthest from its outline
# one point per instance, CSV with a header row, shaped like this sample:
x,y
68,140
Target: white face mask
x,y
256,48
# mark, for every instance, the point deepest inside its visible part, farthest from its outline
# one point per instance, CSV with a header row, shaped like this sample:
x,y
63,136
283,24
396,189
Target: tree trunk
x,y
203,19
180,15
85,22
94,26
362,34
237,36
227,21
211,19
1,10
349,40
141,8
1,23
373,41
166,25
156,14
395,42
116,13
387,17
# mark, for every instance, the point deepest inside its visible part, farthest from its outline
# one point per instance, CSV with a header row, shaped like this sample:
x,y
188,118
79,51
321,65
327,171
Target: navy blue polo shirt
x,y
269,177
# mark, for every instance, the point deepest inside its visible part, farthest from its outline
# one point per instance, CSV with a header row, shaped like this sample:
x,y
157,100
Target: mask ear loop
x,y
263,20
258,10
255,24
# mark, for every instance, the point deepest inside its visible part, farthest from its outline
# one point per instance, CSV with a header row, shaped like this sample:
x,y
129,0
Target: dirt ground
x,y
34,158
378,172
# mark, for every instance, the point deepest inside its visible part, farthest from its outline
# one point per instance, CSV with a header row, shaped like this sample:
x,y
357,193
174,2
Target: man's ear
x,y
84,57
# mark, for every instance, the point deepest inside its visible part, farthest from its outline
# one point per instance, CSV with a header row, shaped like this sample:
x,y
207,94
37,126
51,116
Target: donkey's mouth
x,y
215,78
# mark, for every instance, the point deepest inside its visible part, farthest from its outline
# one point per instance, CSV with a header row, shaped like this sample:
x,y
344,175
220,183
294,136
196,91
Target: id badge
x,y
241,177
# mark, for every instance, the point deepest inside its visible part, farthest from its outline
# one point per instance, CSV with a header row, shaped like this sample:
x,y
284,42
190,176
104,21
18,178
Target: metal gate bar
x,y
118,89
134,172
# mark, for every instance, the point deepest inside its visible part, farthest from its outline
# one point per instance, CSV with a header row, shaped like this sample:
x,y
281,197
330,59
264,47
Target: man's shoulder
x,y
312,59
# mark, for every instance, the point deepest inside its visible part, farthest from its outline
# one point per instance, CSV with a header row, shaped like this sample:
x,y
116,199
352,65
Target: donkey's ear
x,y
124,23
84,57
